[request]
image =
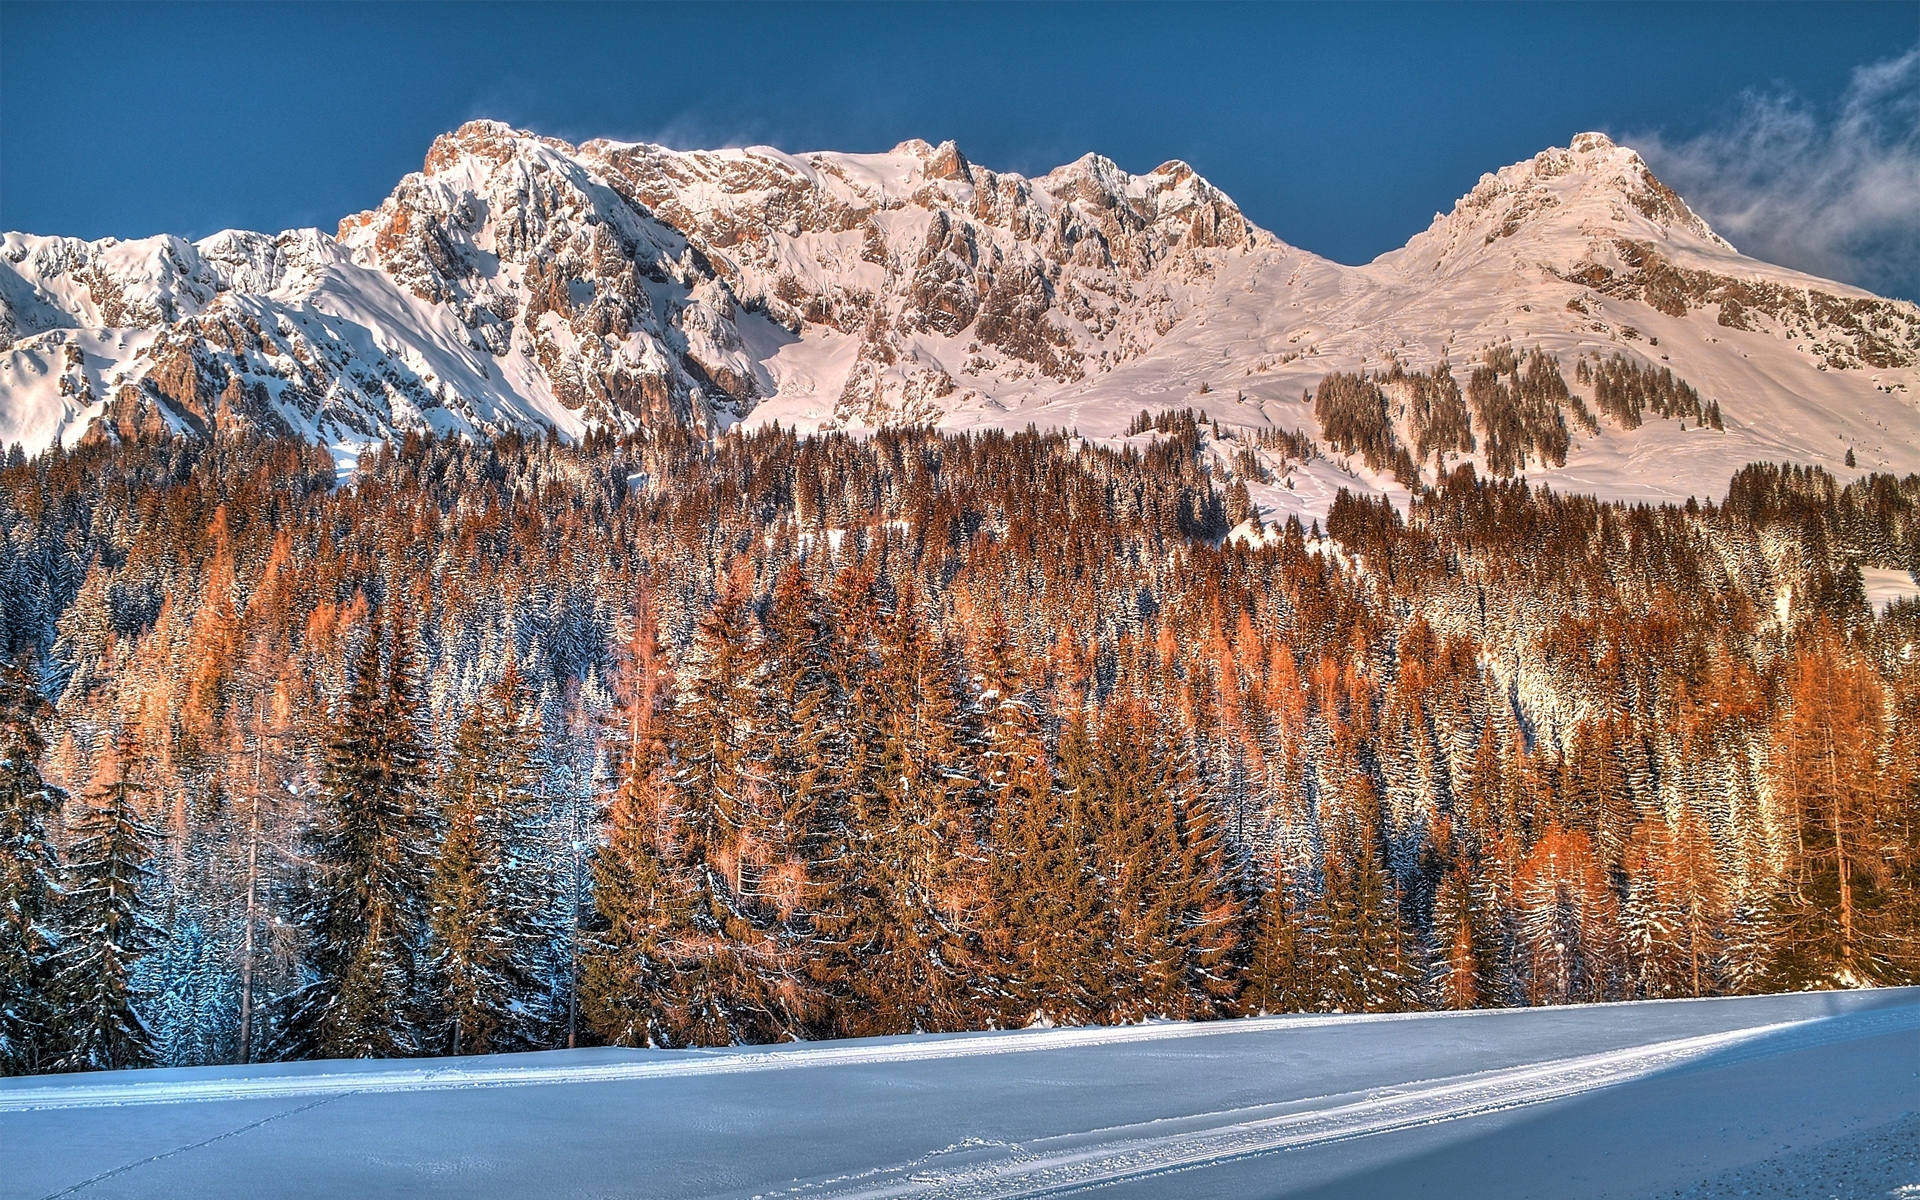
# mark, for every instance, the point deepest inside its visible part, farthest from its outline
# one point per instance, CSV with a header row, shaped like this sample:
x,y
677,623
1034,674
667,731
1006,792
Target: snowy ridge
x,y
519,282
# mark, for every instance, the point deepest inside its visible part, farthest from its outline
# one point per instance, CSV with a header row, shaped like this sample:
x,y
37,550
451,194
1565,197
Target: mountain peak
x,y
1554,207
494,142
519,282
939,162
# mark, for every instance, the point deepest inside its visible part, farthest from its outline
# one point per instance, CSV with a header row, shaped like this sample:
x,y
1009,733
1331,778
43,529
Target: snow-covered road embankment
x,y
1605,1100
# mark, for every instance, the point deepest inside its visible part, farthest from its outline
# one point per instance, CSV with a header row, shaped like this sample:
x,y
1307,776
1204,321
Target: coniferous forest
x,y
668,740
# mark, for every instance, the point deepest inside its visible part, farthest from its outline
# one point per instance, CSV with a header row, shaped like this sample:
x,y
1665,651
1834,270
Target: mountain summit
x,y
519,282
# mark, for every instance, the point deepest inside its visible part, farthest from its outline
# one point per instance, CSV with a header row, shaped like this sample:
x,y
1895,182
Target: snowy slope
x,y
1605,1100
521,282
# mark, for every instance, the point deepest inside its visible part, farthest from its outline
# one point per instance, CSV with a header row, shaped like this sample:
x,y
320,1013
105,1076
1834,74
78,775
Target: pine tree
x,y
29,874
365,906
487,892
899,893
1042,905
110,931
1279,976
1569,922
627,995
1172,924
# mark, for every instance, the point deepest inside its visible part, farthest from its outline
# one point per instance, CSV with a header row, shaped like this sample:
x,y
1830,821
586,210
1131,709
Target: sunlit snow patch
x,y
1887,587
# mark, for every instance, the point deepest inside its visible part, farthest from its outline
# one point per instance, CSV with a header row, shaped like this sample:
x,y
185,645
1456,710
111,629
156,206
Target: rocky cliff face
x,y
521,282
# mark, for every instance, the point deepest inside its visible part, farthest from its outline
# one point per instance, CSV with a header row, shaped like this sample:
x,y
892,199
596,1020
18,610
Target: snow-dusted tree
x,y
1569,922
1279,970
1676,908
626,983
487,891
900,892
1041,920
713,727
108,927
1173,924
1368,960
1836,915
627,980
1466,948
193,992
789,752
29,880
729,963
369,855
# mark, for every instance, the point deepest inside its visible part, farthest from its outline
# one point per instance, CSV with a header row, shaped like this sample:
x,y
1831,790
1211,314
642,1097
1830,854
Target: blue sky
x,y
1342,129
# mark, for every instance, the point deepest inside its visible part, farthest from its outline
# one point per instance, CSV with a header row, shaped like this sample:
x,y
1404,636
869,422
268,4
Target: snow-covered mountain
x,y
518,282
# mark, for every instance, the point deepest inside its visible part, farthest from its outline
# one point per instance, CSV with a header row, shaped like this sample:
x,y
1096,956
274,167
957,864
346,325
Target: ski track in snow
x,y
269,1119
1075,1162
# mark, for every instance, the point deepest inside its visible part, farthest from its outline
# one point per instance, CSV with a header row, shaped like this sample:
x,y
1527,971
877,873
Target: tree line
x,y
673,741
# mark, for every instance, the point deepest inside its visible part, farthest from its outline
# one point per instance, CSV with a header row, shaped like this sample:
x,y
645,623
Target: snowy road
x,y
1610,1100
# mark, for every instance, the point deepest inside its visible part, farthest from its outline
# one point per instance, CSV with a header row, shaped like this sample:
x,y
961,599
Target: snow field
x,y
1270,1106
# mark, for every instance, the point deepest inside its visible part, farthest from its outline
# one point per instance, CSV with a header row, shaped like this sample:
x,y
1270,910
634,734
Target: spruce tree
x,y
1278,977
641,908
109,929
790,760
900,897
487,891
726,979
29,875
1369,963
628,995
194,1002
1465,942
1173,925
1675,913
714,705
790,755
1568,920
365,905
1040,928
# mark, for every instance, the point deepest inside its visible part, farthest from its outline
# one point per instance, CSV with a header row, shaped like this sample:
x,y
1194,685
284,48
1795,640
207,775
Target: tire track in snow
x,y
1073,1162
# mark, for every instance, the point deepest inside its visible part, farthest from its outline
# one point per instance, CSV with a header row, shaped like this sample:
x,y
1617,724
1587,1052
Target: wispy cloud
x,y
1832,192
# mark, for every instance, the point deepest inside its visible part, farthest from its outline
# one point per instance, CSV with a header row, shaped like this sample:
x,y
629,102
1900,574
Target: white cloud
x,y
1834,194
